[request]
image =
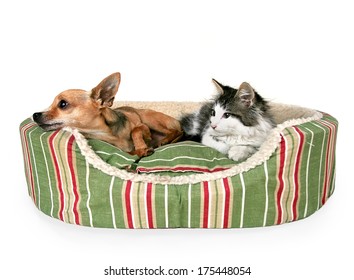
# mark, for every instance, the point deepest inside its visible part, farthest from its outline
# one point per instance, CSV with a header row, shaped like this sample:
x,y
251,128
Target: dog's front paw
x,y
172,137
143,152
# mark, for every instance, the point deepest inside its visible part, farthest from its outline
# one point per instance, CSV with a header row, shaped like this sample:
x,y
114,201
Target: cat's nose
x,y
213,126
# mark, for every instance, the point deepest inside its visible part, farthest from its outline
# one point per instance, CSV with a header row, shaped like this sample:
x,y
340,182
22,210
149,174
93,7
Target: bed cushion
x,y
181,157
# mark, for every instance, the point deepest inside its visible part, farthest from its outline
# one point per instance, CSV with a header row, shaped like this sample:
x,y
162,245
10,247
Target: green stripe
x,y
48,186
117,203
175,209
32,147
302,171
273,168
196,200
100,203
254,201
84,193
160,206
321,181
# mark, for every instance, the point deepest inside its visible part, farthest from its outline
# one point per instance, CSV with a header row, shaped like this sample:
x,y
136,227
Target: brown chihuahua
x,y
135,131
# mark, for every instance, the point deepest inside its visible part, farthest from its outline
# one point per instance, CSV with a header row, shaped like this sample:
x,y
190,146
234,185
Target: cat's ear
x,y
246,94
219,87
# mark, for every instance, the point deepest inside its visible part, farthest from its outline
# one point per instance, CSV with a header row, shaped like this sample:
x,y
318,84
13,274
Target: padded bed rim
x,y
263,154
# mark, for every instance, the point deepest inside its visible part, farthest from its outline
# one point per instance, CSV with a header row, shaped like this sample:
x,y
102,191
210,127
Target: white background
x,y
297,52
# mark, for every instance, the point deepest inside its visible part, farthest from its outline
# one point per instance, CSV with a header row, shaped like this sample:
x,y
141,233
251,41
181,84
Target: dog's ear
x,y
106,90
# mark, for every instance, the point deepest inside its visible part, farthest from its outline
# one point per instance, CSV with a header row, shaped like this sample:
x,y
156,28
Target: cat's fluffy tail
x,y
194,124
190,127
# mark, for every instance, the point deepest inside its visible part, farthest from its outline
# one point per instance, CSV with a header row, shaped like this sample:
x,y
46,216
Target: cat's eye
x,y
212,113
227,115
63,104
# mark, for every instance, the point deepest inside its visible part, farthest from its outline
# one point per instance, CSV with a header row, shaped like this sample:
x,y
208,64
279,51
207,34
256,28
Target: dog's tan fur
x,y
136,131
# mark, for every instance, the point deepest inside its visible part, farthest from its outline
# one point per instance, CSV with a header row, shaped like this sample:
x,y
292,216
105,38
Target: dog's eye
x,y
63,104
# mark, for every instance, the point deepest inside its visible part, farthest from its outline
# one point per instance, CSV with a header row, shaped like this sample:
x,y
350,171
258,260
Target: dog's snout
x,y
37,116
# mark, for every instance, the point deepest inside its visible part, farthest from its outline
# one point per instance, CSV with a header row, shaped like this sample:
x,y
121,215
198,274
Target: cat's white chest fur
x,y
228,135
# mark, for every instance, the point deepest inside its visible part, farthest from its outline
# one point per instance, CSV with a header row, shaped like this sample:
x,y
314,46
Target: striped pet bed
x,y
183,185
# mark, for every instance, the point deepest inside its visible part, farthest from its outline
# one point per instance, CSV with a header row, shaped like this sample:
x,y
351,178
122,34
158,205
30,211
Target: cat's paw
x,y
240,153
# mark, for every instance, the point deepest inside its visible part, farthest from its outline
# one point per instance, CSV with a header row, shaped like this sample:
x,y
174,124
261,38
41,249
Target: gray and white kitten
x,y
235,123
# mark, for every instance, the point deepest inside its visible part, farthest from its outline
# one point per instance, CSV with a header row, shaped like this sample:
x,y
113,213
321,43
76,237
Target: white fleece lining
x,y
263,154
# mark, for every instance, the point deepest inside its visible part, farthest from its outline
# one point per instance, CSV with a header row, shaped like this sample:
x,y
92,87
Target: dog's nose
x,y
36,116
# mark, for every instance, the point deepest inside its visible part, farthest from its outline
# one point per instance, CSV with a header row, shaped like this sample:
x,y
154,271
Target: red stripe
x,y
334,138
73,179
127,204
326,179
58,175
206,205
149,205
29,171
280,178
181,168
227,203
297,172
